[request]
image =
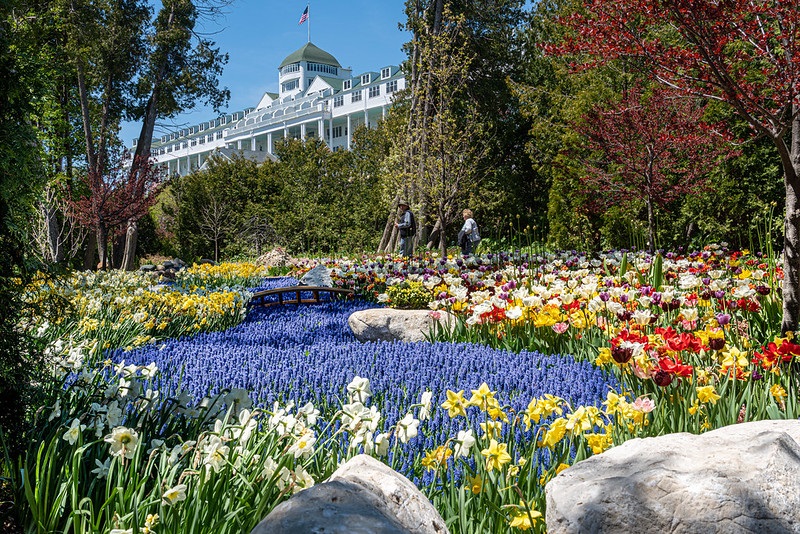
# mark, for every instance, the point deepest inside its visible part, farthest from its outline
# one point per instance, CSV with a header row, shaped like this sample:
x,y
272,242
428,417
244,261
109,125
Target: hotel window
x,y
347,85
194,142
202,140
291,84
337,131
294,67
338,101
319,67
365,79
374,91
391,87
184,144
356,97
169,148
386,73
219,135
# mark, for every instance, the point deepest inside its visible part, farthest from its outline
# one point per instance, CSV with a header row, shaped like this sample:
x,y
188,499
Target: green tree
x,y
20,182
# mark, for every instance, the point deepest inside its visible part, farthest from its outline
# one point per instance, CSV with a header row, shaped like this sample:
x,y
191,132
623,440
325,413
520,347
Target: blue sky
x,y
258,34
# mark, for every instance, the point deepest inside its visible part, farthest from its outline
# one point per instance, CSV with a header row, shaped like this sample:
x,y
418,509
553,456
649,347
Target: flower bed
x,y
263,408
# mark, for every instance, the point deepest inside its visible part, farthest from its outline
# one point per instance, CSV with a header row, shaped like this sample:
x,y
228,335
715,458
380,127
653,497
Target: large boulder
x,y
318,276
388,324
363,496
740,478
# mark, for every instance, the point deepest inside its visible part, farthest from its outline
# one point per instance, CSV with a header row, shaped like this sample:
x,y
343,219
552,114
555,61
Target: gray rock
x,y
179,263
147,268
206,261
318,276
169,264
363,496
740,478
337,507
398,495
388,324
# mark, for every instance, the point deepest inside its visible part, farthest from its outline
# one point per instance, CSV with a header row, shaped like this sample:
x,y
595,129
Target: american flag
x,y
304,16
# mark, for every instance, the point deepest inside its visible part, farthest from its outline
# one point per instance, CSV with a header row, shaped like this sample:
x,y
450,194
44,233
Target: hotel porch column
x,y
303,131
253,143
321,130
366,119
349,131
269,142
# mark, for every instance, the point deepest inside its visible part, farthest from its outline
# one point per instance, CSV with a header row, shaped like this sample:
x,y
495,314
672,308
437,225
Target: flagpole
x,y
308,6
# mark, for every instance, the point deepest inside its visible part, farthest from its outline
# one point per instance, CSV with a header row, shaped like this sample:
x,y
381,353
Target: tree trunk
x,y
102,247
435,233
387,230
54,248
89,263
651,236
131,237
791,241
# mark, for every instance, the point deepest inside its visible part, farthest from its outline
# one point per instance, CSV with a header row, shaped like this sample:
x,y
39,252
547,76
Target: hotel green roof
x,y
310,52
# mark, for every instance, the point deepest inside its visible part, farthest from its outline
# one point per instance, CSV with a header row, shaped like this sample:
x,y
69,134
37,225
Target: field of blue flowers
x,y
308,353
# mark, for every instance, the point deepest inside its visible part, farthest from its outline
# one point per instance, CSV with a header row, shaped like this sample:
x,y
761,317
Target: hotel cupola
x,y
299,69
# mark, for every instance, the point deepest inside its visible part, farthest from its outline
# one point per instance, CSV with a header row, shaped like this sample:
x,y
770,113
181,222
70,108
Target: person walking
x,y
407,227
468,237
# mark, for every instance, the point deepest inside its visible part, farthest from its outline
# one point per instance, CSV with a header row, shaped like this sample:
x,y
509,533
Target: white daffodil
x,y
101,471
303,479
464,443
382,444
358,389
425,408
304,446
215,454
149,371
309,413
74,431
123,442
56,413
407,428
113,414
174,495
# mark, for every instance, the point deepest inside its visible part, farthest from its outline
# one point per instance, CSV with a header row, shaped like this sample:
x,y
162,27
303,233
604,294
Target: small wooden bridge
x,y
296,295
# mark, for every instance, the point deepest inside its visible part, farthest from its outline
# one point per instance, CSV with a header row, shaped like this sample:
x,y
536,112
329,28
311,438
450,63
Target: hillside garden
x,y
632,166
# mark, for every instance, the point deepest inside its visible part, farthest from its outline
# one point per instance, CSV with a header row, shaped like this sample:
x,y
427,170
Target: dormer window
x,y
365,79
347,85
386,73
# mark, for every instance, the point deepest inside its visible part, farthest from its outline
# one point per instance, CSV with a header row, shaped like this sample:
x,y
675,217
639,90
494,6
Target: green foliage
x,y
310,200
408,295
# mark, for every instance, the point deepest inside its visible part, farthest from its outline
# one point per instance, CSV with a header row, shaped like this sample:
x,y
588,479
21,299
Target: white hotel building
x,y
318,98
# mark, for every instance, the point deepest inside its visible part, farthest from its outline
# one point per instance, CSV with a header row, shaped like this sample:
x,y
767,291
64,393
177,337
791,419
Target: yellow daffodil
x,y
475,484
778,392
707,394
455,404
480,397
496,455
555,433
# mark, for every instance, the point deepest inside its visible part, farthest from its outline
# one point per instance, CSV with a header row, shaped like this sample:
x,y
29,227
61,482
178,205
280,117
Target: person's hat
x,y
403,203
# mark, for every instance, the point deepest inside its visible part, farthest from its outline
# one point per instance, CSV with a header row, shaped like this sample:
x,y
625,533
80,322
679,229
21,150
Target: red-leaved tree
x,y
649,145
116,196
741,52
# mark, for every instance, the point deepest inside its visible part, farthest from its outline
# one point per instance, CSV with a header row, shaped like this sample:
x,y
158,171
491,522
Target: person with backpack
x,y
468,237
407,227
